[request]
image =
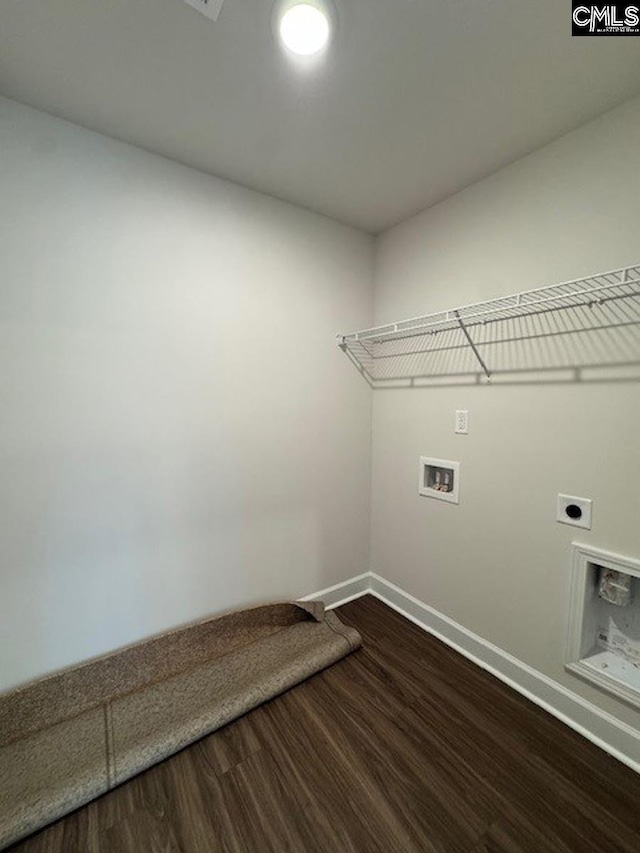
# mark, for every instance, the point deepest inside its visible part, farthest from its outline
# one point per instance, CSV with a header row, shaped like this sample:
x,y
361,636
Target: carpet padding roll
x,y
73,735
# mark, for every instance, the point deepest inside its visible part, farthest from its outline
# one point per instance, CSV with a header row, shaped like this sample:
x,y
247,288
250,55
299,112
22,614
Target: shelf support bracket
x,y
472,345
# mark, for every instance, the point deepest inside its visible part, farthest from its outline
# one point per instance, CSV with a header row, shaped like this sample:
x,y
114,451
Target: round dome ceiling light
x,y
305,29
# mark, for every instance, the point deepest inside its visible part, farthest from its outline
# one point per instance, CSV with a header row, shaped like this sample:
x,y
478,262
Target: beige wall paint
x,y
499,563
180,435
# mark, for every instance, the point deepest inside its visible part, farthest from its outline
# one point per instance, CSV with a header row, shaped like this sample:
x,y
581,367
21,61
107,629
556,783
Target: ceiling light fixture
x,y
305,29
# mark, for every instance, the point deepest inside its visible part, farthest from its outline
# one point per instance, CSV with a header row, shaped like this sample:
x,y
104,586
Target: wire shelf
x,y
587,322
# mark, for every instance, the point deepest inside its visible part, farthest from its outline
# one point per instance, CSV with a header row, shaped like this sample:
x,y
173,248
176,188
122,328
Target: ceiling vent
x,y
210,8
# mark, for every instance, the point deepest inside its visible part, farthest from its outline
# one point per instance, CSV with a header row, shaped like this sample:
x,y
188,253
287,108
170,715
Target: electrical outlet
x,y
462,422
574,511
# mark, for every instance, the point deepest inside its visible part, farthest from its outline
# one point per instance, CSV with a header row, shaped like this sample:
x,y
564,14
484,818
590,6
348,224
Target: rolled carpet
x,y
71,736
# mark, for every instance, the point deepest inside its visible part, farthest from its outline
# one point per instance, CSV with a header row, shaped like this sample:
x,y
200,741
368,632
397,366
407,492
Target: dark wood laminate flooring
x,y
403,746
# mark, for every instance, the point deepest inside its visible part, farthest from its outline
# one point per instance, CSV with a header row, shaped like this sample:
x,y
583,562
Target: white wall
x,y
498,563
180,434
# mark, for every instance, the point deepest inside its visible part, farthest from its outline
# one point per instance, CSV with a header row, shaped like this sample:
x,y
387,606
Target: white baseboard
x,y
606,731
341,593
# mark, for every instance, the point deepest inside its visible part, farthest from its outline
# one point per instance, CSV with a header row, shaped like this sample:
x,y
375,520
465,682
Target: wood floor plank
x,y
543,784
517,836
285,816
228,747
342,784
140,830
432,798
402,747
200,814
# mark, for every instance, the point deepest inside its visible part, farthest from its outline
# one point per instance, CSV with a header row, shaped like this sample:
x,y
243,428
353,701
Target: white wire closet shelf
x,y
587,322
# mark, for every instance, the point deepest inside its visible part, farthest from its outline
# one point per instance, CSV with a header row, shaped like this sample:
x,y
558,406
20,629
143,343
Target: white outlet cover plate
x,y
210,8
462,422
585,505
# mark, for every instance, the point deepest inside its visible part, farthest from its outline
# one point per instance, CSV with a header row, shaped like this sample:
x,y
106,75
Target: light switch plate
x,y
462,421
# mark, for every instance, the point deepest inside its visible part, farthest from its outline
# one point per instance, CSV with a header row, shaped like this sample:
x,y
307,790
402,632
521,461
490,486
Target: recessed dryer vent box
x,y
440,479
603,641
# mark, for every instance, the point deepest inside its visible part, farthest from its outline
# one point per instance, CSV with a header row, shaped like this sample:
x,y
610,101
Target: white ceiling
x,y
415,100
